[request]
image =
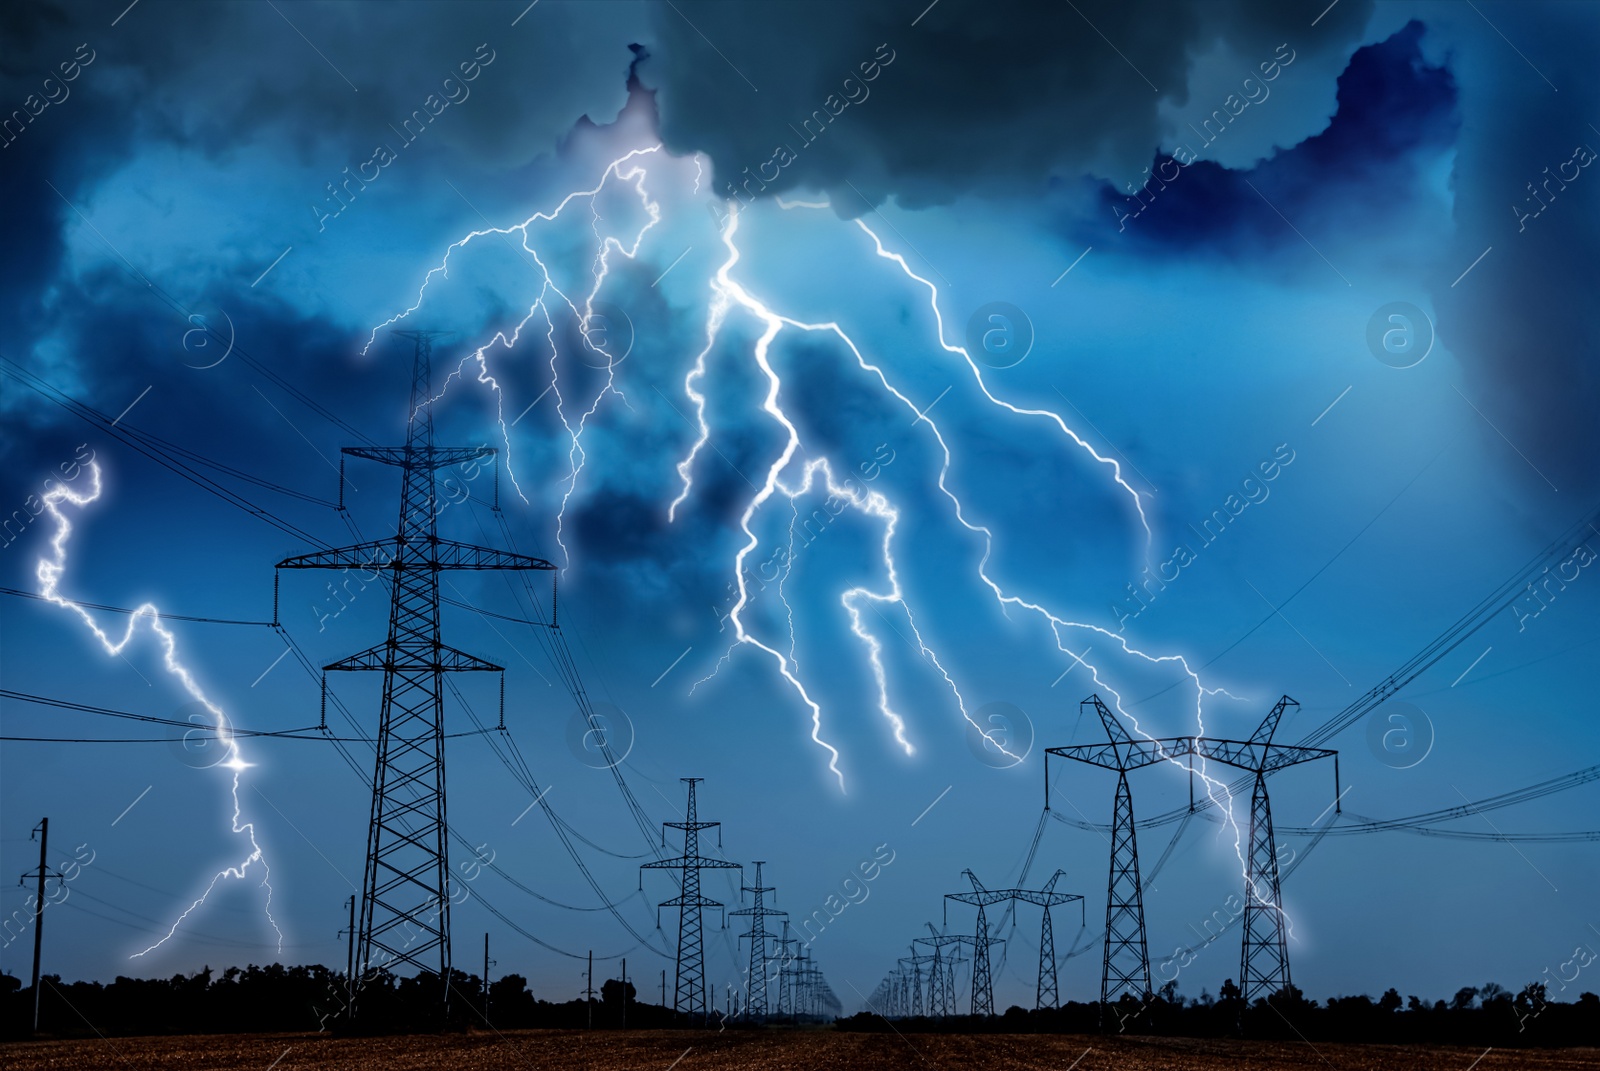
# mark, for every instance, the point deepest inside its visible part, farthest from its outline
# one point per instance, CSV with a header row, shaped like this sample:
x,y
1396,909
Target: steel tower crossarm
x,y
421,456
428,554
1265,758
438,658
1125,757
697,862
1259,754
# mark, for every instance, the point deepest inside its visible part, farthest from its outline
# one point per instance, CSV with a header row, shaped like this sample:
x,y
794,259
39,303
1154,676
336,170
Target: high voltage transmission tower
x,y
1264,958
942,983
982,983
1047,995
689,986
785,971
758,935
812,996
405,901
1125,967
894,993
916,960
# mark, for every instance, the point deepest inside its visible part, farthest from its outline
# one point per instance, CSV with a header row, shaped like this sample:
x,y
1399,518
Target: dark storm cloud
x,y
990,98
222,75
1395,114
1523,320
82,98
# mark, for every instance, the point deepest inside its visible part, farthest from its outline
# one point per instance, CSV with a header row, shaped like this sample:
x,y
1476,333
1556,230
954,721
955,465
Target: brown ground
x,y
810,1050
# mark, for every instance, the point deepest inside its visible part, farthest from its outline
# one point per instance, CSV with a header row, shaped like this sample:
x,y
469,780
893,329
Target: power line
x,y
135,441
218,732
145,610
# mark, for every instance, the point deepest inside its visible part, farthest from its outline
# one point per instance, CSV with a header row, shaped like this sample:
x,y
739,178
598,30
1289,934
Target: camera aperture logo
x,y
1399,735
603,739
205,745
1400,335
1000,335
1003,735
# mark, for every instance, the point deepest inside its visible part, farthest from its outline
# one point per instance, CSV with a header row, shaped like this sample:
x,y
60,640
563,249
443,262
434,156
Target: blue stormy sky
x,y
1214,323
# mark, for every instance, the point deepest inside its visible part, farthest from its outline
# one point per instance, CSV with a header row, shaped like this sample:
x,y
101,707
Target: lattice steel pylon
x,y
982,982
1264,953
756,985
938,995
941,941
1047,995
941,975
405,903
689,983
786,970
1125,968
1264,959
916,960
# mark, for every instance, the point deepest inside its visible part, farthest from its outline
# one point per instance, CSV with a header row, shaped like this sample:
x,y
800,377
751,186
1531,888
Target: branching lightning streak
x,y
49,573
726,293
605,246
1056,623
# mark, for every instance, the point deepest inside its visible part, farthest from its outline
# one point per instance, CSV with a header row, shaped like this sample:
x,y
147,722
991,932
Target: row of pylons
x,y
802,992
923,983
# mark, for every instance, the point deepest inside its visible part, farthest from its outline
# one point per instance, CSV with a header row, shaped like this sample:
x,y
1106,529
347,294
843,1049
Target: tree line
x,y
1488,1015
271,998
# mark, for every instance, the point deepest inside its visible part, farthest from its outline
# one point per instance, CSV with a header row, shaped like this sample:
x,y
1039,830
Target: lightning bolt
x,y
812,476
726,293
49,573
1056,623
626,170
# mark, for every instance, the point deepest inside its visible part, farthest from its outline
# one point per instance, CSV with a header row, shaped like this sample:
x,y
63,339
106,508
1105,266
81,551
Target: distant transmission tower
x,y
1047,994
689,986
405,903
786,969
757,985
982,982
916,960
947,988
